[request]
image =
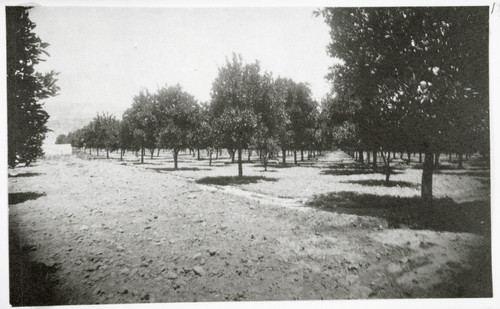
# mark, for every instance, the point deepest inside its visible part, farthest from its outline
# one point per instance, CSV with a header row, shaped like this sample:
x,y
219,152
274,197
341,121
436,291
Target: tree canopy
x,y
408,77
26,88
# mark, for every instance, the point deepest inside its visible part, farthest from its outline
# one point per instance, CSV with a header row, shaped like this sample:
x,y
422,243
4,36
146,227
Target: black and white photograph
x,y
231,154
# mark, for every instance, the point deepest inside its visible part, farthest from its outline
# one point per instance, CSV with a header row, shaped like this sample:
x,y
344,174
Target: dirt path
x,y
102,232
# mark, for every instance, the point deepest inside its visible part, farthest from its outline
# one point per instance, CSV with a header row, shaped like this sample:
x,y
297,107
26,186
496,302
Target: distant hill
x,y
64,126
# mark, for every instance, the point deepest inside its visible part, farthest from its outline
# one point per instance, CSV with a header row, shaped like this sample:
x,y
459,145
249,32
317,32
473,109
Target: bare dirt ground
x,y
97,231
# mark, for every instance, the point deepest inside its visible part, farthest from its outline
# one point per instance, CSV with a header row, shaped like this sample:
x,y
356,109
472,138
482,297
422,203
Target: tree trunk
x,y
216,154
460,160
284,156
393,155
97,151
176,153
355,156
301,155
121,155
198,154
210,159
409,157
449,157
152,151
142,155
427,178
240,164
374,159
361,159
368,158
107,153
249,154
295,156
420,157
387,166
158,153
436,160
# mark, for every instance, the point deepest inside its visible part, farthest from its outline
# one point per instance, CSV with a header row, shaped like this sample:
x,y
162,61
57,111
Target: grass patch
x,y
233,180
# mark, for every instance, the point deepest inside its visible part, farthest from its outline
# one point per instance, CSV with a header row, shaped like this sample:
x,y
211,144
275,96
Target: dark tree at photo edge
x,y
26,88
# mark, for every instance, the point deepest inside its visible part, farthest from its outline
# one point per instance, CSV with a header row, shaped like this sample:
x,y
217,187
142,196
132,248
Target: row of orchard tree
x,y
249,110
410,80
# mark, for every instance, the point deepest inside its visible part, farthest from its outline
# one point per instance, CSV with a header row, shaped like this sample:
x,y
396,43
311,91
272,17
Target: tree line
x,y
249,110
409,80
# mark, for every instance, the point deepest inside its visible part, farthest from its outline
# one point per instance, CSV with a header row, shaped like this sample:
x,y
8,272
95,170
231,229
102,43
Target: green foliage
x,y
26,88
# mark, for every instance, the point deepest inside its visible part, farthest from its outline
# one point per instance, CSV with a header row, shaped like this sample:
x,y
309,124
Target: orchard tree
x,y
234,93
110,127
126,140
176,117
300,108
412,66
282,100
26,88
205,134
76,138
141,117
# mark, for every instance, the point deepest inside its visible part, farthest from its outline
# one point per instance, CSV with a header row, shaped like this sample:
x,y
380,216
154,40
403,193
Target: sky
x,y
105,56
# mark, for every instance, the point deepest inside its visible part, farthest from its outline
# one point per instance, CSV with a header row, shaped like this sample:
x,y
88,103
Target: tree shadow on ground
x,y
274,165
21,197
356,171
145,163
171,169
486,182
472,282
233,180
31,283
462,172
382,183
25,175
281,165
479,164
443,215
